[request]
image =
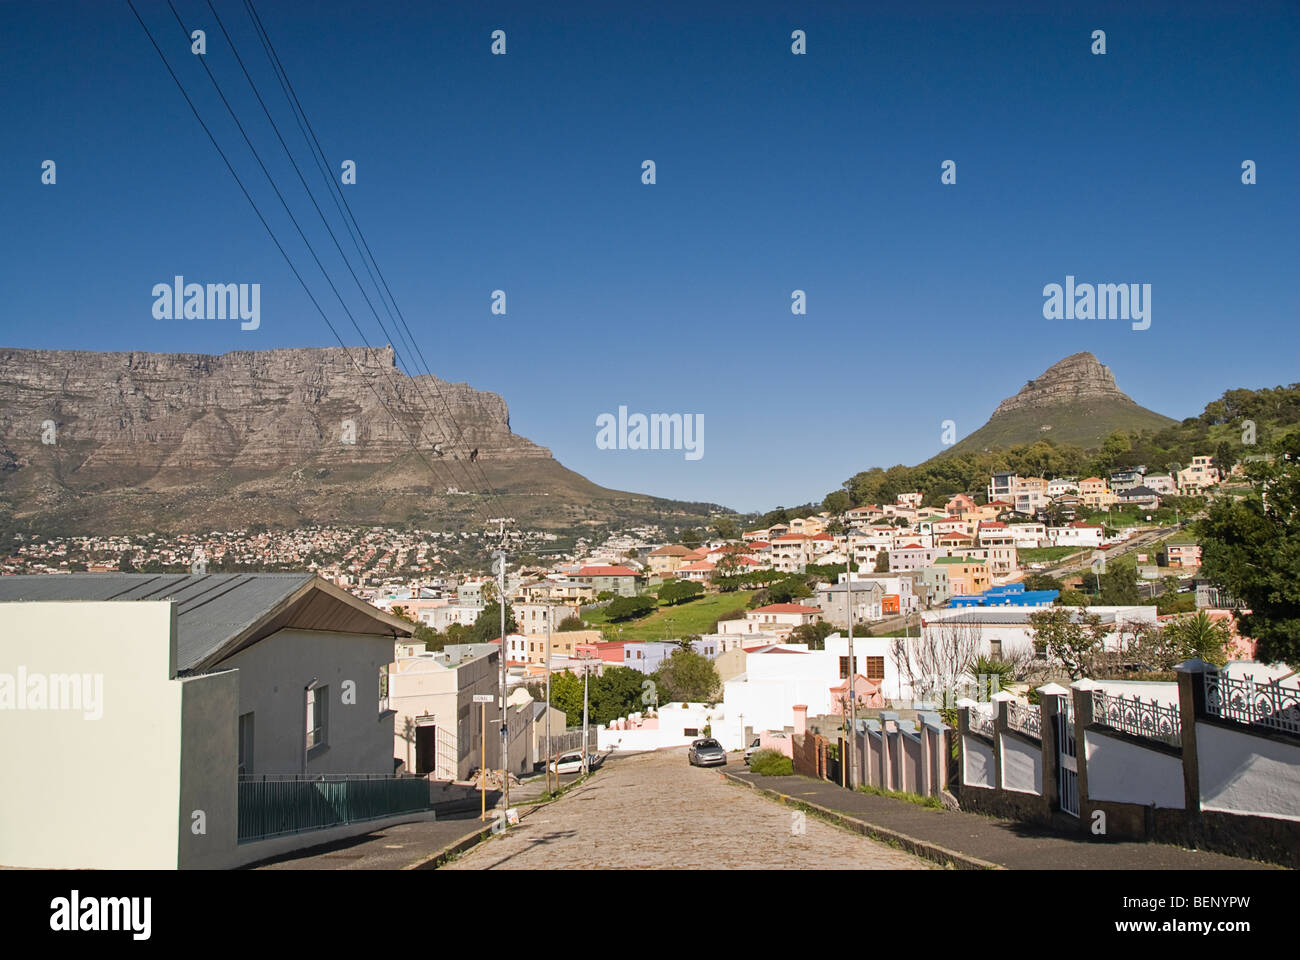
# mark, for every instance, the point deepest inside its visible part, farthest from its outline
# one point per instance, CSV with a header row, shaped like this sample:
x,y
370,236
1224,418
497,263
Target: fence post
x,y
1051,698
1000,701
964,706
1191,704
1082,693
888,731
869,761
928,750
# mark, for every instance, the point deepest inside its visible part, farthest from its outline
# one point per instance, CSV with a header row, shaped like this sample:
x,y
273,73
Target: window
x,y
844,668
875,668
995,648
317,716
245,744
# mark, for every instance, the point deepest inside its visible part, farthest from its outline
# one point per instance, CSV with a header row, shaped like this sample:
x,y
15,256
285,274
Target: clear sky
x,y
775,172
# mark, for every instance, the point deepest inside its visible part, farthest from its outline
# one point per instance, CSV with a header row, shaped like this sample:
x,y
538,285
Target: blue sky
x,y
775,172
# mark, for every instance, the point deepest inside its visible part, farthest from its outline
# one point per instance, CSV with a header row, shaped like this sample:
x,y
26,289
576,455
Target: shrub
x,y
771,763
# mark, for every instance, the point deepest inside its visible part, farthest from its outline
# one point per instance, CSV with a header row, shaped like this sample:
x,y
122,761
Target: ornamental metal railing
x,y
1152,720
1025,718
981,722
275,806
1266,703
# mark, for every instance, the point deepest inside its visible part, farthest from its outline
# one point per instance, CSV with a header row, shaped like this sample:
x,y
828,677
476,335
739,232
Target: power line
x,y
271,233
292,96
289,153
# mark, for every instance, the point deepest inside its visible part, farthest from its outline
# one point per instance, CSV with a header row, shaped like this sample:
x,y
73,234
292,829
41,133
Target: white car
x,y
571,762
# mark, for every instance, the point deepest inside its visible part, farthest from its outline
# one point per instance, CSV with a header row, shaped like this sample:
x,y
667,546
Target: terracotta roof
x,y
669,550
786,608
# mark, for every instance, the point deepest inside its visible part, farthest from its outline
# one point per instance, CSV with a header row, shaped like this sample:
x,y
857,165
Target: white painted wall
x,y
1126,773
977,760
1242,773
1022,766
1164,693
93,793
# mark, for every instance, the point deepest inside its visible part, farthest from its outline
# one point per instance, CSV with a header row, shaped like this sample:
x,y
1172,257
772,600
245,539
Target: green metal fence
x,y
275,807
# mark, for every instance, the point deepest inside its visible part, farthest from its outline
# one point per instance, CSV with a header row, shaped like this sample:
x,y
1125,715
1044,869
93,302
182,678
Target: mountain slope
x,y
1074,401
124,442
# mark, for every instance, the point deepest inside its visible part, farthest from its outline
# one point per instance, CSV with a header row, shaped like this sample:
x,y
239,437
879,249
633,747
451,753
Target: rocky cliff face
x,y
130,418
1078,378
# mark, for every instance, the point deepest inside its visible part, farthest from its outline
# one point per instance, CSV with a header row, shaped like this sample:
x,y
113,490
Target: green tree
x,y
571,623
1200,636
487,626
679,591
813,634
1251,548
1072,638
629,608
726,527
882,561
688,677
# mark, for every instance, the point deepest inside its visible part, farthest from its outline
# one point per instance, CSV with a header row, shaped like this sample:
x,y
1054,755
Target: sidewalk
x,y
973,841
405,846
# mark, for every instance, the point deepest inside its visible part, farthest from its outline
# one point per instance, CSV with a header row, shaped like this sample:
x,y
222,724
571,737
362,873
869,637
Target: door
x,y
426,748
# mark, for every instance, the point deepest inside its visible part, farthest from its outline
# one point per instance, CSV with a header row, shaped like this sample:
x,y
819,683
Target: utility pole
x,y
550,609
586,672
500,565
853,700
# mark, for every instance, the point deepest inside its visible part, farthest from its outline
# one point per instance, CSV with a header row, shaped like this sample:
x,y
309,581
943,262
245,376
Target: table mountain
x,y
124,442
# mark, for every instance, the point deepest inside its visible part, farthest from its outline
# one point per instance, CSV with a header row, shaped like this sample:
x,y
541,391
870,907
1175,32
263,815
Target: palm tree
x,y
1201,636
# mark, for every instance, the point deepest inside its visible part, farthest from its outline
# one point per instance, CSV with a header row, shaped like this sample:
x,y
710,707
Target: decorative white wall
x,y
1240,773
1123,772
977,760
1022,766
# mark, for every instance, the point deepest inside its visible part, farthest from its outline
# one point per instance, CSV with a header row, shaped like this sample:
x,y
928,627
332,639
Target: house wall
x,y
97,793
209,764
275,671
1242,773
1125,772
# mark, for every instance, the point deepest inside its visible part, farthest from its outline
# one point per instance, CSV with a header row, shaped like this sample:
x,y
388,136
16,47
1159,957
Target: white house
x,y
184,698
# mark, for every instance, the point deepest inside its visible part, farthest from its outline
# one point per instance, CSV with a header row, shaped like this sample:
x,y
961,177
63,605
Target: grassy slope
x,y
1085,425
673,623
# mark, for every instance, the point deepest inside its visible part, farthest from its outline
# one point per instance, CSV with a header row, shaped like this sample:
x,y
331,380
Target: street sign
x,y
483,698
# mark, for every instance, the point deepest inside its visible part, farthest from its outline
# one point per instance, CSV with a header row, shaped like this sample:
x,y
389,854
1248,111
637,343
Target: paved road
x,y
653,810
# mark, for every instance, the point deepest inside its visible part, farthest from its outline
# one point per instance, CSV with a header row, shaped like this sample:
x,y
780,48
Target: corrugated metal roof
x,y
211,609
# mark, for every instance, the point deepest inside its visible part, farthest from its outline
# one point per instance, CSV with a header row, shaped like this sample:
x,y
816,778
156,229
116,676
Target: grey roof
x,y
212,610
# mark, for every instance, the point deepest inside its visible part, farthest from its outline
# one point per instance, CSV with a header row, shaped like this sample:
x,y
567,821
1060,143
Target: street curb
x,y
921,848
434,861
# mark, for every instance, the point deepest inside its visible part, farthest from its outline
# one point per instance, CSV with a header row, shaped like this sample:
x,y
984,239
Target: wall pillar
x,y
1081,690
888,732
1052,698
1000,701
1191,704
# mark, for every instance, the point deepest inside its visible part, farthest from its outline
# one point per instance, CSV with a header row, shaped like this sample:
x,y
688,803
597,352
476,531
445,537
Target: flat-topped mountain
x,y
1075,400
108,442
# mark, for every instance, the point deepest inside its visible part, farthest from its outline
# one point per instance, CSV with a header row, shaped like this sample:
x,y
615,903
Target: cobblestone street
x,y
653,810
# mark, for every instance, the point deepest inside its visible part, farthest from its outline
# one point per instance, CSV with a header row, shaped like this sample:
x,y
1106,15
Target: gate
x,y
1066,764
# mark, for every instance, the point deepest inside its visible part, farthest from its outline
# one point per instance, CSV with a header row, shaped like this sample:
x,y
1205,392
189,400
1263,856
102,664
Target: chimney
x,y
800,719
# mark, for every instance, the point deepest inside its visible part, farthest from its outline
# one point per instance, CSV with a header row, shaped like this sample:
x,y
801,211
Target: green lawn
x,y
1044,554
673,623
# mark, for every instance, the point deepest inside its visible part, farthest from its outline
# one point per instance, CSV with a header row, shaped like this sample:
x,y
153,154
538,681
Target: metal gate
x,y
1066,764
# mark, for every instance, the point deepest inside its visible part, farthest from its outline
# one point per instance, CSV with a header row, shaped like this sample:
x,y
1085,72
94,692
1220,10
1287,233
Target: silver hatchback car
x,y
706,752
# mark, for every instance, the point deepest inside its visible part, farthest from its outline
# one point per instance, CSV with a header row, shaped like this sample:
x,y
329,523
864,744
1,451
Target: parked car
x,y
706,752
571,762
751,750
